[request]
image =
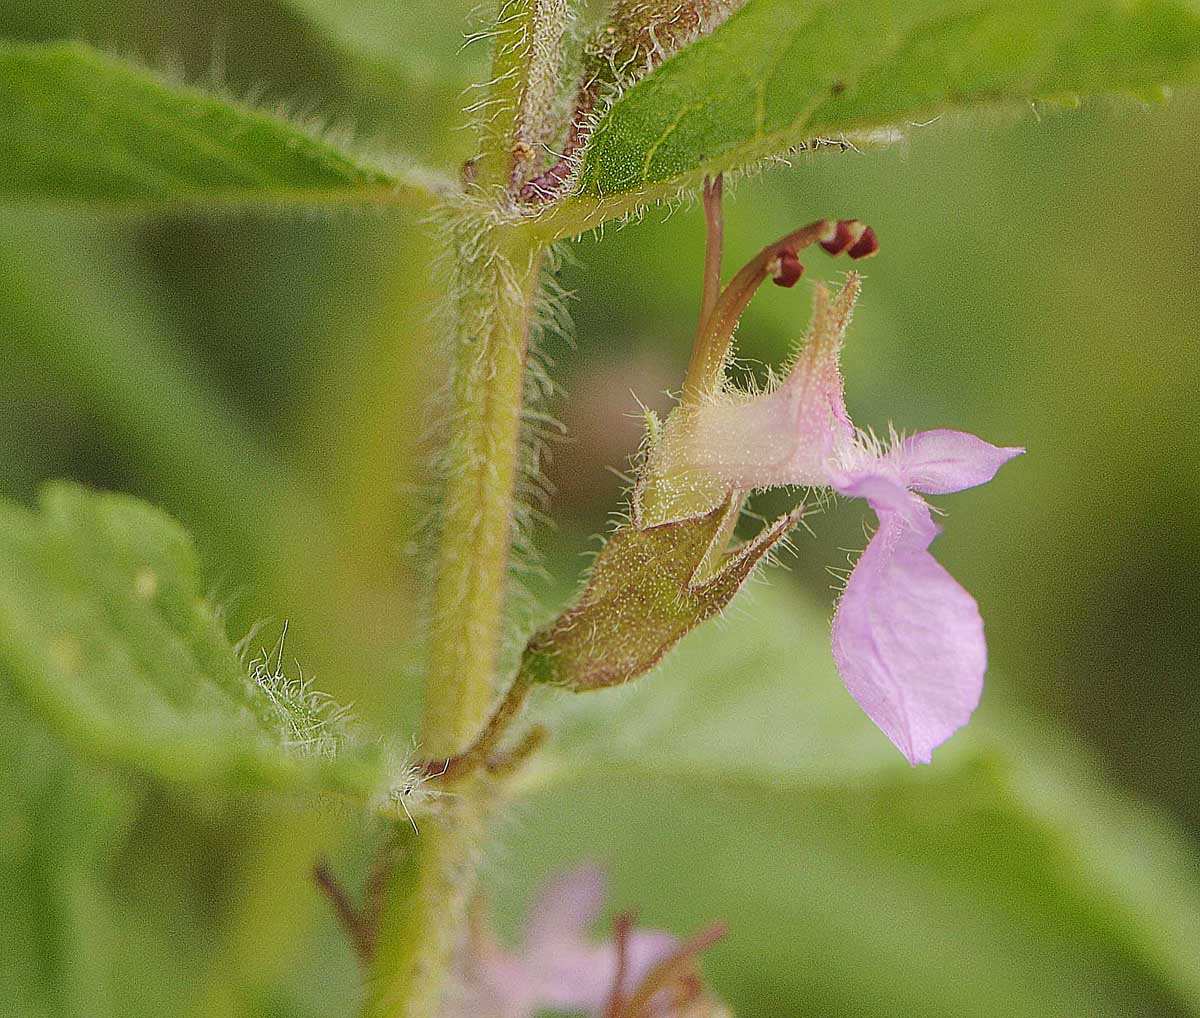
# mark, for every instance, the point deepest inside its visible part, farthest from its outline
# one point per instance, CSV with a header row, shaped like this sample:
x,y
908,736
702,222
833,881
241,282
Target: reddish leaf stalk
x,y
358,926
504,762
478,753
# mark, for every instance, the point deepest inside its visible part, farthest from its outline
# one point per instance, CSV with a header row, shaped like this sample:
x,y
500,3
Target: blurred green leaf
x,y
123,901
112,370
424,49
742,782
781,73
410,68
57,824
81,127
104,634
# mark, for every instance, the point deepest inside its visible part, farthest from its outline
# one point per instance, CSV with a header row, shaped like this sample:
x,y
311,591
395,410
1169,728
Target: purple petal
x,y
782,437
646,949
582,979
942,461
505,988
558,969
881,483
575,978
561,968
908,639
491,981
565,908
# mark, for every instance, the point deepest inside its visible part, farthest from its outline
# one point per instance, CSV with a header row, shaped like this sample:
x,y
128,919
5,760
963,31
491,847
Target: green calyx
x,y
649,587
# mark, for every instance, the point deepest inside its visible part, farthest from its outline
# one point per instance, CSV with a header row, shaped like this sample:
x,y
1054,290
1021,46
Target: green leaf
x,y
426,49
781,73
408,67
54,821
105,636
80,127
745,784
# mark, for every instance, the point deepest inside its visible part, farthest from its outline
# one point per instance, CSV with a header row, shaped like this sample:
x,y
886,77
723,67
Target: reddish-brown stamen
x,y
677,970
776,261
865,246
714,237
716,331
845,234
785,269
622,932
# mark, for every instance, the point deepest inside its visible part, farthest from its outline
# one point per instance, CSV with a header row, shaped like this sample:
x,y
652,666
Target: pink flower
x,y
556,967
907,638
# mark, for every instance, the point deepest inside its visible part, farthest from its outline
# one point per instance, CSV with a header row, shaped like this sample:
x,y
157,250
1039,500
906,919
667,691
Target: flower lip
x,y
908,640
941,461
907,637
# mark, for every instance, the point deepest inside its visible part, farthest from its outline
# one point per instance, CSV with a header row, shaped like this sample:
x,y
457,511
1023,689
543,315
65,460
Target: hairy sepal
x,y
649,587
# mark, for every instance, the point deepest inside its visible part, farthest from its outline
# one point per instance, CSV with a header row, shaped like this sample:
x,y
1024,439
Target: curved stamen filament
x,y
719,317
714,237
707,368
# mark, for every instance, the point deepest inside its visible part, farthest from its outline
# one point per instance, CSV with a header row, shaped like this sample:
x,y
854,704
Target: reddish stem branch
x,y
506,761
477,754
358,927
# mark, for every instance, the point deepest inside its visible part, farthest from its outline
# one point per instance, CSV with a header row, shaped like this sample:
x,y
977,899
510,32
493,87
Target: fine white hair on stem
x,y
414,792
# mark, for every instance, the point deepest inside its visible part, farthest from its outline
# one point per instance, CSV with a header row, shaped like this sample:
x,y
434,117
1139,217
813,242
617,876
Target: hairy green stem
x,y
500,112
477,525
426,901
493,276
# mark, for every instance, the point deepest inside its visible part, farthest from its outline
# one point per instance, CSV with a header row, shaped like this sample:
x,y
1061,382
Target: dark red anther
x,y
785,268
865,246
852,237
841,238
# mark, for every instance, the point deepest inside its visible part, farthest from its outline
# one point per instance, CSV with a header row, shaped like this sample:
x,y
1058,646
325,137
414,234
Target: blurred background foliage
x,y
264,379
